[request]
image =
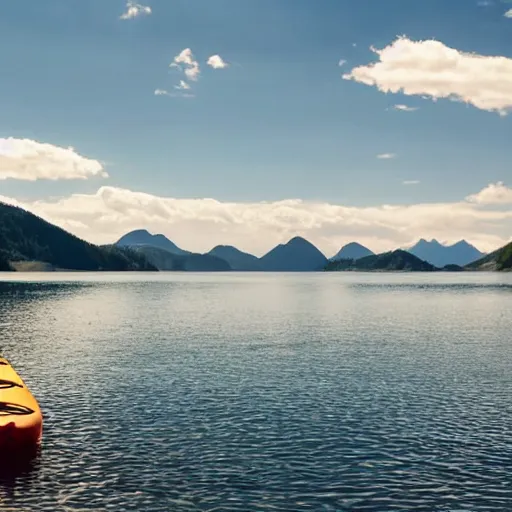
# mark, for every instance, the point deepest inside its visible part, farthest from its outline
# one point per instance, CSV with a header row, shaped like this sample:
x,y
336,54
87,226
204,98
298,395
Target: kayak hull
x,y
21,420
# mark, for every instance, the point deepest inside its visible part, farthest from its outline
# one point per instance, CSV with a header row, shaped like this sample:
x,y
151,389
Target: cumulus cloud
x,y
30,160
508,14
433,70
386,156
341,62
133,10
200,224
186,60
216,62
494,193
405,108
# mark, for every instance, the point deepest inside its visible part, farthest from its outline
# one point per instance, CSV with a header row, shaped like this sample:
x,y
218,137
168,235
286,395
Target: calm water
x,y
236,392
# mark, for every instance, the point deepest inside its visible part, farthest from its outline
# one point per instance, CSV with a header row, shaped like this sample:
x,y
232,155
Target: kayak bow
x,y
21,421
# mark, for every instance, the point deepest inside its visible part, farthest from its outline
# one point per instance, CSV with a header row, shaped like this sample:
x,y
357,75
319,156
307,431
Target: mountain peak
x,y
139,232
463,243
144,237
298,255
352,251
298,240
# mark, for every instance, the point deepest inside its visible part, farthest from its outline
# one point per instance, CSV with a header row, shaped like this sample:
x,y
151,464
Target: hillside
x,y
352,251
499,260
298,255
4,264
462,253
165,260
398,260
24,237
238,260
143,237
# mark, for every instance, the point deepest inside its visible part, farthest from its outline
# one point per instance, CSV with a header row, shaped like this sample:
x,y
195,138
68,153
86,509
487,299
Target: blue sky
x,y
278,123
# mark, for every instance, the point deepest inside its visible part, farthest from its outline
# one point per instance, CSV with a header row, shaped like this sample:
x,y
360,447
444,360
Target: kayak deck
x,y
21,420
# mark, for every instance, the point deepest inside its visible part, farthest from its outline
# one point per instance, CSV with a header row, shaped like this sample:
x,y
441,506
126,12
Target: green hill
x,y
191,262
499,260
238,260
24,237
390,261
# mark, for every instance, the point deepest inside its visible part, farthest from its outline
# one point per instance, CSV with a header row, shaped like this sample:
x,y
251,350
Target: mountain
x,y
165,260
497,260
143,237
238,260
389,261
298,255
461,253
24,237
352,251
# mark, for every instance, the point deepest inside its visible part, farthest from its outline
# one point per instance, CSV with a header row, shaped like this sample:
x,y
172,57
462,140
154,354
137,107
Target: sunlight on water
x,y
263,392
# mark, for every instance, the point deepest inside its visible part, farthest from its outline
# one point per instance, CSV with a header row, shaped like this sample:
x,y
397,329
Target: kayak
x,y
21,421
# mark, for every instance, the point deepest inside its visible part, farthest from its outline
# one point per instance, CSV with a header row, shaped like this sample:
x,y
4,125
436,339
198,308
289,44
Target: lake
x,y
249,392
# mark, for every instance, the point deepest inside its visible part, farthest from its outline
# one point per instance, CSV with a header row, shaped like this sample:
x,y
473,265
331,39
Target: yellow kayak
x,y
21,421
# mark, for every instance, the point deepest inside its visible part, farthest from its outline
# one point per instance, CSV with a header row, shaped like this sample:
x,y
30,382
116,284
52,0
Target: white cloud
x,y
405,108
133,10
30,160
163,92
386,156
494,193
187,60
411,182
432,69
216,62
508,14
183,86
342,62
199,224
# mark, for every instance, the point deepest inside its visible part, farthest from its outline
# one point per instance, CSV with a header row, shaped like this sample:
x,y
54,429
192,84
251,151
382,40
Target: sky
x,y
249,122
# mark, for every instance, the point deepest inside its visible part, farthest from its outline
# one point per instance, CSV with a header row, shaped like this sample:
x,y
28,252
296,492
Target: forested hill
x,y
390,261
26,237
4,263
497,260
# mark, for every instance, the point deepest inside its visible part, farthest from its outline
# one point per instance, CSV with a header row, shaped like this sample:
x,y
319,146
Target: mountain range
x,y
462,253
28,242
297,255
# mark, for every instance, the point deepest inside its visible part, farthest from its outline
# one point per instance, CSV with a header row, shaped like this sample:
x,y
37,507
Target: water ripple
x,y
209,397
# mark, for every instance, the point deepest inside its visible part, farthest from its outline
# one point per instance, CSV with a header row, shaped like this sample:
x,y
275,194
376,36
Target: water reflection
x,y
18,470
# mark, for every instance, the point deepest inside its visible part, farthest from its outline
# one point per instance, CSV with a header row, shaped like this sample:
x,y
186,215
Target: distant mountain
x,y
143,237
352,251
25,238
461,253
398,260
498,260
238,260
165,260
298,255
